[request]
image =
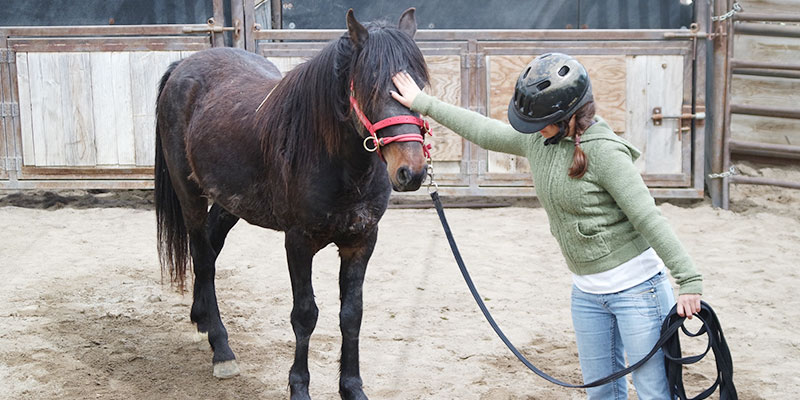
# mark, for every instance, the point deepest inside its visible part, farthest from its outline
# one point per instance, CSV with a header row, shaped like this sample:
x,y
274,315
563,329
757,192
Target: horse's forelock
x,y
386,52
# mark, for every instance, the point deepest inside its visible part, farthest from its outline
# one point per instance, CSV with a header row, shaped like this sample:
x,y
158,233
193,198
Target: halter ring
x,y
374,141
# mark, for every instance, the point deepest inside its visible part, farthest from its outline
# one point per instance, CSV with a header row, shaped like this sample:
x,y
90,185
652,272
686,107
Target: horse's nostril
x,y
403,175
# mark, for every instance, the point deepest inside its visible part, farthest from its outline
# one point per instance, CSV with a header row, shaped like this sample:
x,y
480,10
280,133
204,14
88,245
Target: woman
x,y
612,235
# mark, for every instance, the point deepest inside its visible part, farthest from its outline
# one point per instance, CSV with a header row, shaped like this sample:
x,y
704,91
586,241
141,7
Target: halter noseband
x,y
424,128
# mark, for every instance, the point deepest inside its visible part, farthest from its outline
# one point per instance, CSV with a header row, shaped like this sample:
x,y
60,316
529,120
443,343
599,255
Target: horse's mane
x,y
308,114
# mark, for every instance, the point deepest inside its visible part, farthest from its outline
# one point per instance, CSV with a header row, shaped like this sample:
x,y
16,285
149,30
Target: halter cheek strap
x,y
378,142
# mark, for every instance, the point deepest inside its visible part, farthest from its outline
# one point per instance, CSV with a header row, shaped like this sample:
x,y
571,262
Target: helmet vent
x,y
526,73
543,85
563,71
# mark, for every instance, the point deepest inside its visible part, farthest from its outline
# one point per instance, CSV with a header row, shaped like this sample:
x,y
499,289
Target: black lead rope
x,y
668,340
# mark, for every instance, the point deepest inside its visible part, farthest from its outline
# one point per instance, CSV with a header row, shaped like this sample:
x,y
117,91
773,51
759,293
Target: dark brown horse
x,y
294,161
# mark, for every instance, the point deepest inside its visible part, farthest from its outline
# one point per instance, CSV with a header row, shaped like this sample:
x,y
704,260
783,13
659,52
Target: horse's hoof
x,y
226,369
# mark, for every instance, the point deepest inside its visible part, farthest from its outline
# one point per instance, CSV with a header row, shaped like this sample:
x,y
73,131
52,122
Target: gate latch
x,y
685,119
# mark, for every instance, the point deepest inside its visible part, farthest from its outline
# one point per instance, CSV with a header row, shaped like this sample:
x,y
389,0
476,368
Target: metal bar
x,y
745,16
765,149
764,111
237,20
686,35
702,12
750,180
750,28
249,25
6,147
763,65
485,34
717,108
219,19
729,27
99,30
774,73
276,12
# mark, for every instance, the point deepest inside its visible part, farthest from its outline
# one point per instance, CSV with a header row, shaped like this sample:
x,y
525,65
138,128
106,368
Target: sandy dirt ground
x,y
83,313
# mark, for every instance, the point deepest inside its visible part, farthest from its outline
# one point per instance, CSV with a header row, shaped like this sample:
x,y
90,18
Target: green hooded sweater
x,y
600,220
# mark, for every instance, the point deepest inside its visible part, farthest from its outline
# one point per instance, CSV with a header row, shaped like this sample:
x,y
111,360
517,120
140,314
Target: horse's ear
x,y
358,34
408,23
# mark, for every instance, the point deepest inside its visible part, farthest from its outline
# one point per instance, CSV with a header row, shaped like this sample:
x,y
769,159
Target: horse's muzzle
x,y
407,180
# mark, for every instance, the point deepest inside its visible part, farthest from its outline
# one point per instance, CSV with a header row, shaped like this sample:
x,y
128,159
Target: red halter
x,y
397,120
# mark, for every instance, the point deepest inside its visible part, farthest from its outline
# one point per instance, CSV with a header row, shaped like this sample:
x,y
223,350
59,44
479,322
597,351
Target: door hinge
x,y
9,110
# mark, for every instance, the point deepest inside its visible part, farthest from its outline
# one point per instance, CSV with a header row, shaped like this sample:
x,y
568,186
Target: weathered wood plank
x,y
103,116
502,74
769,6
7,126
78,114
37,110
779,50
25,117
639,118
146,71
52,66
751,128
779,92
121,79
445,74
143,108
665,90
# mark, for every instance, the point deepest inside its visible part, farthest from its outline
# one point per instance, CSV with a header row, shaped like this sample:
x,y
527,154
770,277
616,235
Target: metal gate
x,y
758,91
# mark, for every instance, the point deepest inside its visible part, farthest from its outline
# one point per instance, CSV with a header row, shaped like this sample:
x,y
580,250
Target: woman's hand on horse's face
x,y
688,304
407,87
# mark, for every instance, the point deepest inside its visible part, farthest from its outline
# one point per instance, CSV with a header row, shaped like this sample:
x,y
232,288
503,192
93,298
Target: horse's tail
x,y
173,241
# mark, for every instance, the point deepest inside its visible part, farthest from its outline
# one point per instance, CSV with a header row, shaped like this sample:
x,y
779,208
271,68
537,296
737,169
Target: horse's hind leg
x,y
354,258
205,312
218,224
205,247
299,253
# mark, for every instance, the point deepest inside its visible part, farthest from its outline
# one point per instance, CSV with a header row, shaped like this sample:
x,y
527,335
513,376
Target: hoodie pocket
x,y
586,243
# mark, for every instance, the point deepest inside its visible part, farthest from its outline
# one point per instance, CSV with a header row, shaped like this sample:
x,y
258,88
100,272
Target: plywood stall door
x,y
608,84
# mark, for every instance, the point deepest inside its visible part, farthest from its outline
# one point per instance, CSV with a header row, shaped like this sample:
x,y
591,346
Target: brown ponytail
x,y
584,118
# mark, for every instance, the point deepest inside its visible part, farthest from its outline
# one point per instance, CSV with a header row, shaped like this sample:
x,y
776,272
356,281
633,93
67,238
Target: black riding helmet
x,y
549,90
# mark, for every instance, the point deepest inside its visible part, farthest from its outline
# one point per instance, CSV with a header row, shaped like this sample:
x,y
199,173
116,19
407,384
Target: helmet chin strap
x,y
562,131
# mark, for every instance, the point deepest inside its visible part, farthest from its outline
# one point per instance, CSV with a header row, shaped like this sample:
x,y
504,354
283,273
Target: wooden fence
x,y
80,100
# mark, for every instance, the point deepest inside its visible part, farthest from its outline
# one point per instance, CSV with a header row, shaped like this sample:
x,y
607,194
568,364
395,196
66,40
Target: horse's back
x,y
211,65
206,116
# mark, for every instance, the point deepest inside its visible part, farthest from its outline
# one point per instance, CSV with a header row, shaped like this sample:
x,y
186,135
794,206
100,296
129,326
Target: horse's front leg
x,y
299,253
354,258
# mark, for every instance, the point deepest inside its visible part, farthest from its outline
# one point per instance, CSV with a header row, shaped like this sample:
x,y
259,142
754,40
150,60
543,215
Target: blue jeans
x,y
630,321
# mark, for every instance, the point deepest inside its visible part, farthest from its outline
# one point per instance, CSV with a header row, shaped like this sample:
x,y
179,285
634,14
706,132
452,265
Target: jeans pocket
x,y
644,299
